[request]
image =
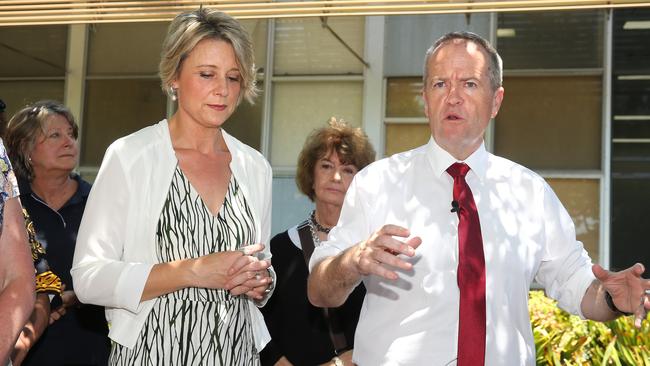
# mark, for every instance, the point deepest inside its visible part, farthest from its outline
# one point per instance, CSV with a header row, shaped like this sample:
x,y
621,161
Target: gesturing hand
x,y
629,291
381,251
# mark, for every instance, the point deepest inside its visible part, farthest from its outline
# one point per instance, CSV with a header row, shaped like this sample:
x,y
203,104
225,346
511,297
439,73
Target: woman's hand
x,y
68,299
248,275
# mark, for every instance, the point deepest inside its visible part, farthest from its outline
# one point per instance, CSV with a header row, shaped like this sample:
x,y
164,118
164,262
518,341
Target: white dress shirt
x,y
527,235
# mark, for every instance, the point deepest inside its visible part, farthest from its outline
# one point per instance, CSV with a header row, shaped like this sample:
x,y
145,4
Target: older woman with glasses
x,y
303,334
172,238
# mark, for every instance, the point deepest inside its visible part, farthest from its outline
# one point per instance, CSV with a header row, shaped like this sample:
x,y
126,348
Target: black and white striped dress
x,y
197,326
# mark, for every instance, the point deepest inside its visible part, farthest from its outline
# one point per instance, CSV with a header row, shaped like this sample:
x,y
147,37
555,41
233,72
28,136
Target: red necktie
x,y
471,273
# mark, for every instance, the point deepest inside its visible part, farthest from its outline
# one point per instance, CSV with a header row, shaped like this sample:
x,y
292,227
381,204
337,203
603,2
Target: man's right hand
x,y
333,279
380,252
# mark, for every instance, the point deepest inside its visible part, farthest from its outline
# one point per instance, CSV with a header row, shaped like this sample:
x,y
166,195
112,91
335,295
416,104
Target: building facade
x,y
576,108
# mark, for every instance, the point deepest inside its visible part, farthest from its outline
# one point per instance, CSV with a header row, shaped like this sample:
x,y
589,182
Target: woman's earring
x,y
172,93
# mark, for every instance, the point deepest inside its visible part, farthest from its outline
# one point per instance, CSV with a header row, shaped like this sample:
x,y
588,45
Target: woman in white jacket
x,y
171,242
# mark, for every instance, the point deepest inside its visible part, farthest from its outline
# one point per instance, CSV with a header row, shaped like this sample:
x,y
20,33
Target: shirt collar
x,y
440,159
80,195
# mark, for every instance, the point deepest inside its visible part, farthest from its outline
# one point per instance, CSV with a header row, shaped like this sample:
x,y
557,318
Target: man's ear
x,y
496,102
426,106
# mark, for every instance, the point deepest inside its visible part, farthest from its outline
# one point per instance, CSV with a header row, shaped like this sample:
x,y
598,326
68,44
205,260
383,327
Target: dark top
x,y
298,329
80,337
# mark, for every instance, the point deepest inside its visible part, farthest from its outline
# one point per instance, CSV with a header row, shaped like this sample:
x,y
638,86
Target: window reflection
x,y
581,198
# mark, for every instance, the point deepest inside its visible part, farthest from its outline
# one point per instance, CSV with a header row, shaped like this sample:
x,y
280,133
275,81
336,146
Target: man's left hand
x,y
629,291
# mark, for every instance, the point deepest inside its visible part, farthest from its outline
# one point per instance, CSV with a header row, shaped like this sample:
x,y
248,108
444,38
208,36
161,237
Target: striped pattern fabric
x,y
196,326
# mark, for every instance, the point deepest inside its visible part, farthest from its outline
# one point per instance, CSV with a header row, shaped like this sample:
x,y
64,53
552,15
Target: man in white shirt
x,y
396,234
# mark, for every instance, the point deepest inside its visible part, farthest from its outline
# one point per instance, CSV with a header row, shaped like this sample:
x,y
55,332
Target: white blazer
x,y
115,247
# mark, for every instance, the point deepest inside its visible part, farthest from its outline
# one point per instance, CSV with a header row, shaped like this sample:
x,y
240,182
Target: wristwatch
x,y
610,303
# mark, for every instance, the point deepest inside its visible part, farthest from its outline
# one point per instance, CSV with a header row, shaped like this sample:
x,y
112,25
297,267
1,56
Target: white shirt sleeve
x,y
99,273
565,270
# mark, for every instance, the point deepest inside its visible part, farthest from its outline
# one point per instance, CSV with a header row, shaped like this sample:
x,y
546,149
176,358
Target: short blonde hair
x,y
190,28
23,129
350,144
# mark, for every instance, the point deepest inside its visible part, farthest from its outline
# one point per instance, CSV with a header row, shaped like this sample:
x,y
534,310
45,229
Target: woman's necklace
x,y
319,227
315,227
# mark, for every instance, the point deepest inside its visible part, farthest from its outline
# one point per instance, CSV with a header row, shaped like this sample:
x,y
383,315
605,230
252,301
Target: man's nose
x,y
454,97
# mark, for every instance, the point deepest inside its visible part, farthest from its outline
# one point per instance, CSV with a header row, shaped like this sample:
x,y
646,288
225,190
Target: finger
x,y
414,242
395,246
600,273
239,290
253,294
256,266
640,312
370,266
251,249
257,293
252,270
259,279
394,230
638,269
393,261
240,263
238,280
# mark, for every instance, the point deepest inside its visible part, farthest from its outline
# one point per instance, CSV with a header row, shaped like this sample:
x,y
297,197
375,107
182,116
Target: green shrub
x,y
564,339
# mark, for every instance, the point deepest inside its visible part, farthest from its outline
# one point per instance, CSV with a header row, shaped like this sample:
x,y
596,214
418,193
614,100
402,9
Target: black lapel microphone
x,y
455,207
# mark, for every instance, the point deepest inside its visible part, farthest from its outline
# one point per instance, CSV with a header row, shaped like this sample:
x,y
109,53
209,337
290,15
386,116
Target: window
x,y
299,107
630,160
123,91
551,117
32,66
551,122
405,125
315,77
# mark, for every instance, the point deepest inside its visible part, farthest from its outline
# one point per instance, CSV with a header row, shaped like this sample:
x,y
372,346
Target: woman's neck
x,y
185,134
327,214
54,189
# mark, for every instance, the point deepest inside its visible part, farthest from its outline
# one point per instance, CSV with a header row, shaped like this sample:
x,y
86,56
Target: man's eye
x,y
438,84
471,84
205,75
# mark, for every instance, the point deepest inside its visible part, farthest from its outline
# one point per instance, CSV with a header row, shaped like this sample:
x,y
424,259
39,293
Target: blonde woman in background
x,y
172,240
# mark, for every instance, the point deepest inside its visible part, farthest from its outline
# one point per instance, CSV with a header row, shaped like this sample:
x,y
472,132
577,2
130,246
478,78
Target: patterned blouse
x,y
8,183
